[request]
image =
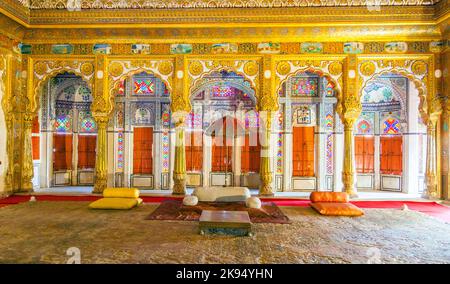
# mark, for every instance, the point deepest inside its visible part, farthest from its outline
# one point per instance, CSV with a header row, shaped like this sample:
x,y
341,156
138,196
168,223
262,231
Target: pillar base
x,y
179,187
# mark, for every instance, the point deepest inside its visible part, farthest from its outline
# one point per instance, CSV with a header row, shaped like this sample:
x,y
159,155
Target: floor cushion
x,y
121,192
337,209
221,194
114,203
317,196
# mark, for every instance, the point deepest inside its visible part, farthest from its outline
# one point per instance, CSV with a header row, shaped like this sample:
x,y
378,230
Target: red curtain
x,y
142,151
194,151
222,149
391,155
303,151
251,155
86,151
62,152
364,154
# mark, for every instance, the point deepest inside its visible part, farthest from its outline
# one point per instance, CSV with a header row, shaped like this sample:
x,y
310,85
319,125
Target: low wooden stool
x,y
225,222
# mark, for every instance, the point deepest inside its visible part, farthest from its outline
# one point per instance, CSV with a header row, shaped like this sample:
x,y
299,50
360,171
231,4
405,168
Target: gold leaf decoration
x,y
367,68
195,68
115,69
87,68
335,68
40,68
2,64
283,68
251,68
165,67
419,67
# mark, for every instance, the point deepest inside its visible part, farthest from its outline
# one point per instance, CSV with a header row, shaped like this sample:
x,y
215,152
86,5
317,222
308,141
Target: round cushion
x,y
190,200
253,202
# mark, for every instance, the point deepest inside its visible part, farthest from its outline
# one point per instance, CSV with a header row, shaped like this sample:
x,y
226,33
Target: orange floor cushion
x,y
337,209
318,196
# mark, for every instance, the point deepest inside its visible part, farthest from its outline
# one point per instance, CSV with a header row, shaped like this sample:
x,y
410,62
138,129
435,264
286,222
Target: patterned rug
x,y
175,210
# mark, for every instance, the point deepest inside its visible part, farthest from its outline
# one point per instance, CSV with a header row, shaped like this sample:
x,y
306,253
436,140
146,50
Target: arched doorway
x,y
310,134
390,137
140,132
64,138
224,127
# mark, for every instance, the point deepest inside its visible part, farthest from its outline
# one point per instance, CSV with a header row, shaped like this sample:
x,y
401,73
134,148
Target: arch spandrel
x,y
332,70
119,70
43,70
415,70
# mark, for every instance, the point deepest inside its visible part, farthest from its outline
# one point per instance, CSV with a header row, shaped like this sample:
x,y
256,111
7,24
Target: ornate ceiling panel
x,y
183,4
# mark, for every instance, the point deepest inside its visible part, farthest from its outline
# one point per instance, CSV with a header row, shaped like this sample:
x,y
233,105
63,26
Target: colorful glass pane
x,y
329,89
120,150
364,127
391,126
222,91
165,115
88,125
329,154
144,86
63,123
280,144
194,120
304,86
329,121
165,152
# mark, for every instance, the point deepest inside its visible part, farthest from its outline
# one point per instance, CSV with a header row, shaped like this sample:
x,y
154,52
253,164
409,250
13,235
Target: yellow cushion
x,y
121,192
340,197
114,203
337,209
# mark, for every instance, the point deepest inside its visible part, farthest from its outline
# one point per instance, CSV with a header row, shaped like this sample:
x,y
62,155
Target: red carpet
x,y
431,208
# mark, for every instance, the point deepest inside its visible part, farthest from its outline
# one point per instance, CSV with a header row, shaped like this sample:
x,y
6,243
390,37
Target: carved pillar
x,y
27,154
179,170
9,150
348,171
101,154
265,170
431,166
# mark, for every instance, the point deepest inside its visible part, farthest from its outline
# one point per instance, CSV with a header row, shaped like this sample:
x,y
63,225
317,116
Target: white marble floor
x,y
367,195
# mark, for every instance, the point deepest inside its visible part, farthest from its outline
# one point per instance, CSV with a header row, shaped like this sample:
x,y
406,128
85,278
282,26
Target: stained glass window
x,y
391,126
329,91
280,144
120,150
364,127
165,152
165,115
329,121
88,125
144,86
304,86
303,115
222,91
63,123
329,153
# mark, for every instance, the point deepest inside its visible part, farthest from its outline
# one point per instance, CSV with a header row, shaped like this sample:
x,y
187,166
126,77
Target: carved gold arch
x,y
249,69
417,70
120,70
332,70
43,70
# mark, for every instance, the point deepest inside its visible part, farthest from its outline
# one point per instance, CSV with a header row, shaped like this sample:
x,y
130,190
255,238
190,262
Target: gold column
x,y
179,170
348,172
265,171
431,166
9,120
27,155
101,158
